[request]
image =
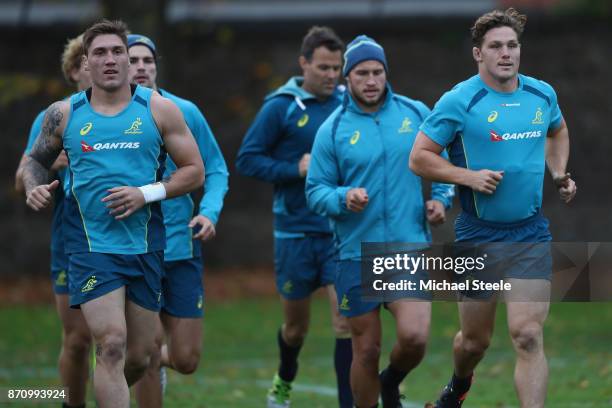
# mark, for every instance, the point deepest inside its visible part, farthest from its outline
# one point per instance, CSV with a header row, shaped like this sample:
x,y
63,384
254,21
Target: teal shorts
x,y
94,274
302,265
182,288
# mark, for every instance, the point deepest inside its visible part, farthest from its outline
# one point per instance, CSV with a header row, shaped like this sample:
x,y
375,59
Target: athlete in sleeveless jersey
x,y
115,137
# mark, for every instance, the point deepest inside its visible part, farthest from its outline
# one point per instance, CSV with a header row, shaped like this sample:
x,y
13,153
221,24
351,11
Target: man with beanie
x,y
359,178
186,227
276,149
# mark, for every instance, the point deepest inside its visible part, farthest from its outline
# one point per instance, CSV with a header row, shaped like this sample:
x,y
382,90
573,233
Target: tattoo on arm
x,y
47,147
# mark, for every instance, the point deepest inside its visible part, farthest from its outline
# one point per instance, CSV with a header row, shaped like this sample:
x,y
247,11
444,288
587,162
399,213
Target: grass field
x,y
239,357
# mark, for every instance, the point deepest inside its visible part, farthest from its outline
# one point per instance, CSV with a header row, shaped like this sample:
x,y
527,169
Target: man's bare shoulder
x,y
62,106
161,103
164,110
55,117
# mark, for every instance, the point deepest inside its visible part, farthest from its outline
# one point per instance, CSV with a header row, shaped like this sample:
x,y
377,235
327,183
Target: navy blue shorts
x,y
303,265
94,274
59,270
352,299
519,250
182,288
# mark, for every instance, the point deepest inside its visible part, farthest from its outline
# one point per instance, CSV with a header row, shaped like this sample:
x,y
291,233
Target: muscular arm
x,y
48,146
60,163
557,154
557,150
19,174
181,147
425,160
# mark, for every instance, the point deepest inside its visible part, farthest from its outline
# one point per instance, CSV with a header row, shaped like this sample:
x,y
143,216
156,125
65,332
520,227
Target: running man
x,y
500,128
359,178
276,149
76,339
182,290
115,137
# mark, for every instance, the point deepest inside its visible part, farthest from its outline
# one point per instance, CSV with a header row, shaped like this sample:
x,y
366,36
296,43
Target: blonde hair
x,y
72,58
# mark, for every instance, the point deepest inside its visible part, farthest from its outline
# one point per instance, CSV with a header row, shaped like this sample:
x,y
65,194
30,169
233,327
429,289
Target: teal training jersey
x,y
105,152
179,211
486,129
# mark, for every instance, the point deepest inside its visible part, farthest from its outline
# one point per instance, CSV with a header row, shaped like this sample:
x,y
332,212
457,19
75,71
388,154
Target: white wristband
x,y
153,192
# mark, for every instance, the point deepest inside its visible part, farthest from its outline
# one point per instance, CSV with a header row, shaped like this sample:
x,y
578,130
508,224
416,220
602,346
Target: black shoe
x,y
451,399
390,396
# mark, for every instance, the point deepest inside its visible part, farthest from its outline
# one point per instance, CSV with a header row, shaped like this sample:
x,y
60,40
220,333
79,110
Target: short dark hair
x,y
117,27
497,18
317,37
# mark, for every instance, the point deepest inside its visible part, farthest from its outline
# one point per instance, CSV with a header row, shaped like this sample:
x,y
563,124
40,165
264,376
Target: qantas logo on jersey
x,y
496,137
109,146
85,147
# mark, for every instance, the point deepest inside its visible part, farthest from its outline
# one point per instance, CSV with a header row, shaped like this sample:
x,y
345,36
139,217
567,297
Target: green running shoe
x,y
279,395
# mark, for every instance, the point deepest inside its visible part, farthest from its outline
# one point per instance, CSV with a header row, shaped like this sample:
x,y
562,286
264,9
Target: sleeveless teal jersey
x,y
105,152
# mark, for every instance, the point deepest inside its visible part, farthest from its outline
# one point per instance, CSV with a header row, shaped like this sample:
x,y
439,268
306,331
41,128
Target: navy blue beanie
x,y
137,39
363,48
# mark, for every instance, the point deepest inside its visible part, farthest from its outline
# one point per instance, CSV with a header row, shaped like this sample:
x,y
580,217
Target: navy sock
x,y
343,355
392,377
287,369
461,385
65,405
